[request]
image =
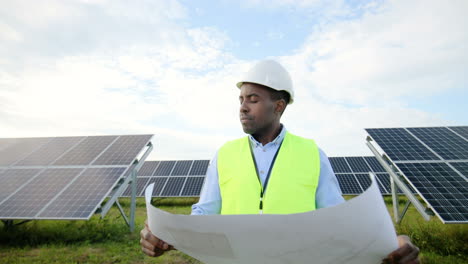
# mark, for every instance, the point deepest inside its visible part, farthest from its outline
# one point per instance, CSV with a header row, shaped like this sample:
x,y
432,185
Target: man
x,y
294,173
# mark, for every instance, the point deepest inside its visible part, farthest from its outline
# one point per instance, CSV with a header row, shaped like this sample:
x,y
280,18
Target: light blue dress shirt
x,y
328,191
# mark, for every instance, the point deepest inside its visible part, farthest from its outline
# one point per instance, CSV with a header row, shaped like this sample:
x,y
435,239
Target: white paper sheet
x,y
358,231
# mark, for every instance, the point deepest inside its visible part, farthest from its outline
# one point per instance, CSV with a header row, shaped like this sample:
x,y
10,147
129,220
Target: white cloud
x,y
118,67
388,54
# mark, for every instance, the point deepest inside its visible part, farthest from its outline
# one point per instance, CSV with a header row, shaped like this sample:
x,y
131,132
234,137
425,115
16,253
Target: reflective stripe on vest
x,y
292,184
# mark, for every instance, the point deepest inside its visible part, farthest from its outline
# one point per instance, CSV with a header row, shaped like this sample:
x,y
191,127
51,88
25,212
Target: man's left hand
x,y
407,253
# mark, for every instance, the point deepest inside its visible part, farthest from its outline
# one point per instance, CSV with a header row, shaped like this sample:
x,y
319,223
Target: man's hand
x,y
151,245
407,253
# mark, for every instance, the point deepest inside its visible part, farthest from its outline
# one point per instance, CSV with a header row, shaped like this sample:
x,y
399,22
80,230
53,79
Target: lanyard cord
x,y
262,188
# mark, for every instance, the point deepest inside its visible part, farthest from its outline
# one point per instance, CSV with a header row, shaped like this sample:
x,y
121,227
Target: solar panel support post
x,y
133,202
129,180
396,182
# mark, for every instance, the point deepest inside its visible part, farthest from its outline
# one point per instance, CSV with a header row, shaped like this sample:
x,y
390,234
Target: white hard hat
x,y
271,74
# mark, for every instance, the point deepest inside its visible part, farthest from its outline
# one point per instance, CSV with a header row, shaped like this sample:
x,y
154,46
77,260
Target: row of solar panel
x,y
180,186
176,186
55,193
168,183
198,167
71,151
422,143
356,165
174,168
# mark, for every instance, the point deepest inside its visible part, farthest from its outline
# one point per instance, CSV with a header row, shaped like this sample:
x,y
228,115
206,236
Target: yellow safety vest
x,y
292,184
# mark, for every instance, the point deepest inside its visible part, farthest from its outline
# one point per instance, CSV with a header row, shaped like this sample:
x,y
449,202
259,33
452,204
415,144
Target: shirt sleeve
x,y
210,196
328,190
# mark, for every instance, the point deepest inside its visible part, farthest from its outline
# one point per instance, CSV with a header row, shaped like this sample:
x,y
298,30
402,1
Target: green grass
x,y
109,241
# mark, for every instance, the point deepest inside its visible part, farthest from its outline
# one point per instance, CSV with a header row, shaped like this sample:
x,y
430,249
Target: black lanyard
x,y
263,188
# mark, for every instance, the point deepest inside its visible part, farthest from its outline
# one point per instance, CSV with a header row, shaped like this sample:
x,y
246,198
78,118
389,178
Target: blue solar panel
x,y
142,182
199,167
348,184
173,187
148,168
159,183
374,164
165,167
384,182
358,164
364,180
444,142
460,130
462,167
182,168
443,188
400,145
193,186
339,165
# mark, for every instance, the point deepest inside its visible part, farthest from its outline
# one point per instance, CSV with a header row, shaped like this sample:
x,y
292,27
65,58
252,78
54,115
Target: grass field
x,y
109,241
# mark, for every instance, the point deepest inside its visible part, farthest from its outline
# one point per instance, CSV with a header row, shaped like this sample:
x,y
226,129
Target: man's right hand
x,y
151,245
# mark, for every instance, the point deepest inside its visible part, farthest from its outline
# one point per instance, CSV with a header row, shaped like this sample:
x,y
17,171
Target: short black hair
x,y
278,95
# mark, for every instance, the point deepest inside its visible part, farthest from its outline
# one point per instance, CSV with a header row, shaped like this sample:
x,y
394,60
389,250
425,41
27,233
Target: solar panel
x,y
173,186
444,142
462,167
148,168
441,187
123,151
364,180
383,179
199,167
374,164
15,152
7,142
400,145
441,180
86,151
84,195
182,168
460,130
165,168
12,179
358,164
193,186
159,183
50,151
31,198
160,171
339,165
62,177
142,182
348,184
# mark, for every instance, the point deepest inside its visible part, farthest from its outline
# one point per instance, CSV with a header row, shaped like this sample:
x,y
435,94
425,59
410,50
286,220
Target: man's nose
x,y
244,108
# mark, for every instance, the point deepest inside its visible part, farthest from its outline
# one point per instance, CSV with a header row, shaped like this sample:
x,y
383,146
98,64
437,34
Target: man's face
x,y
257,109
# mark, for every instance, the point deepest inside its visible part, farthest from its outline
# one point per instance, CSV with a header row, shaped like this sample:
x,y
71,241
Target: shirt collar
x,y
275,142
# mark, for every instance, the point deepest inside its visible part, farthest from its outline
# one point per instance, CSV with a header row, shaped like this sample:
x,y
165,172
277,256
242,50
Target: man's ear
x,y
280,106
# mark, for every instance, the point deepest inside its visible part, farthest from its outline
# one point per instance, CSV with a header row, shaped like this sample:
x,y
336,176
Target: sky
x,y
169,68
